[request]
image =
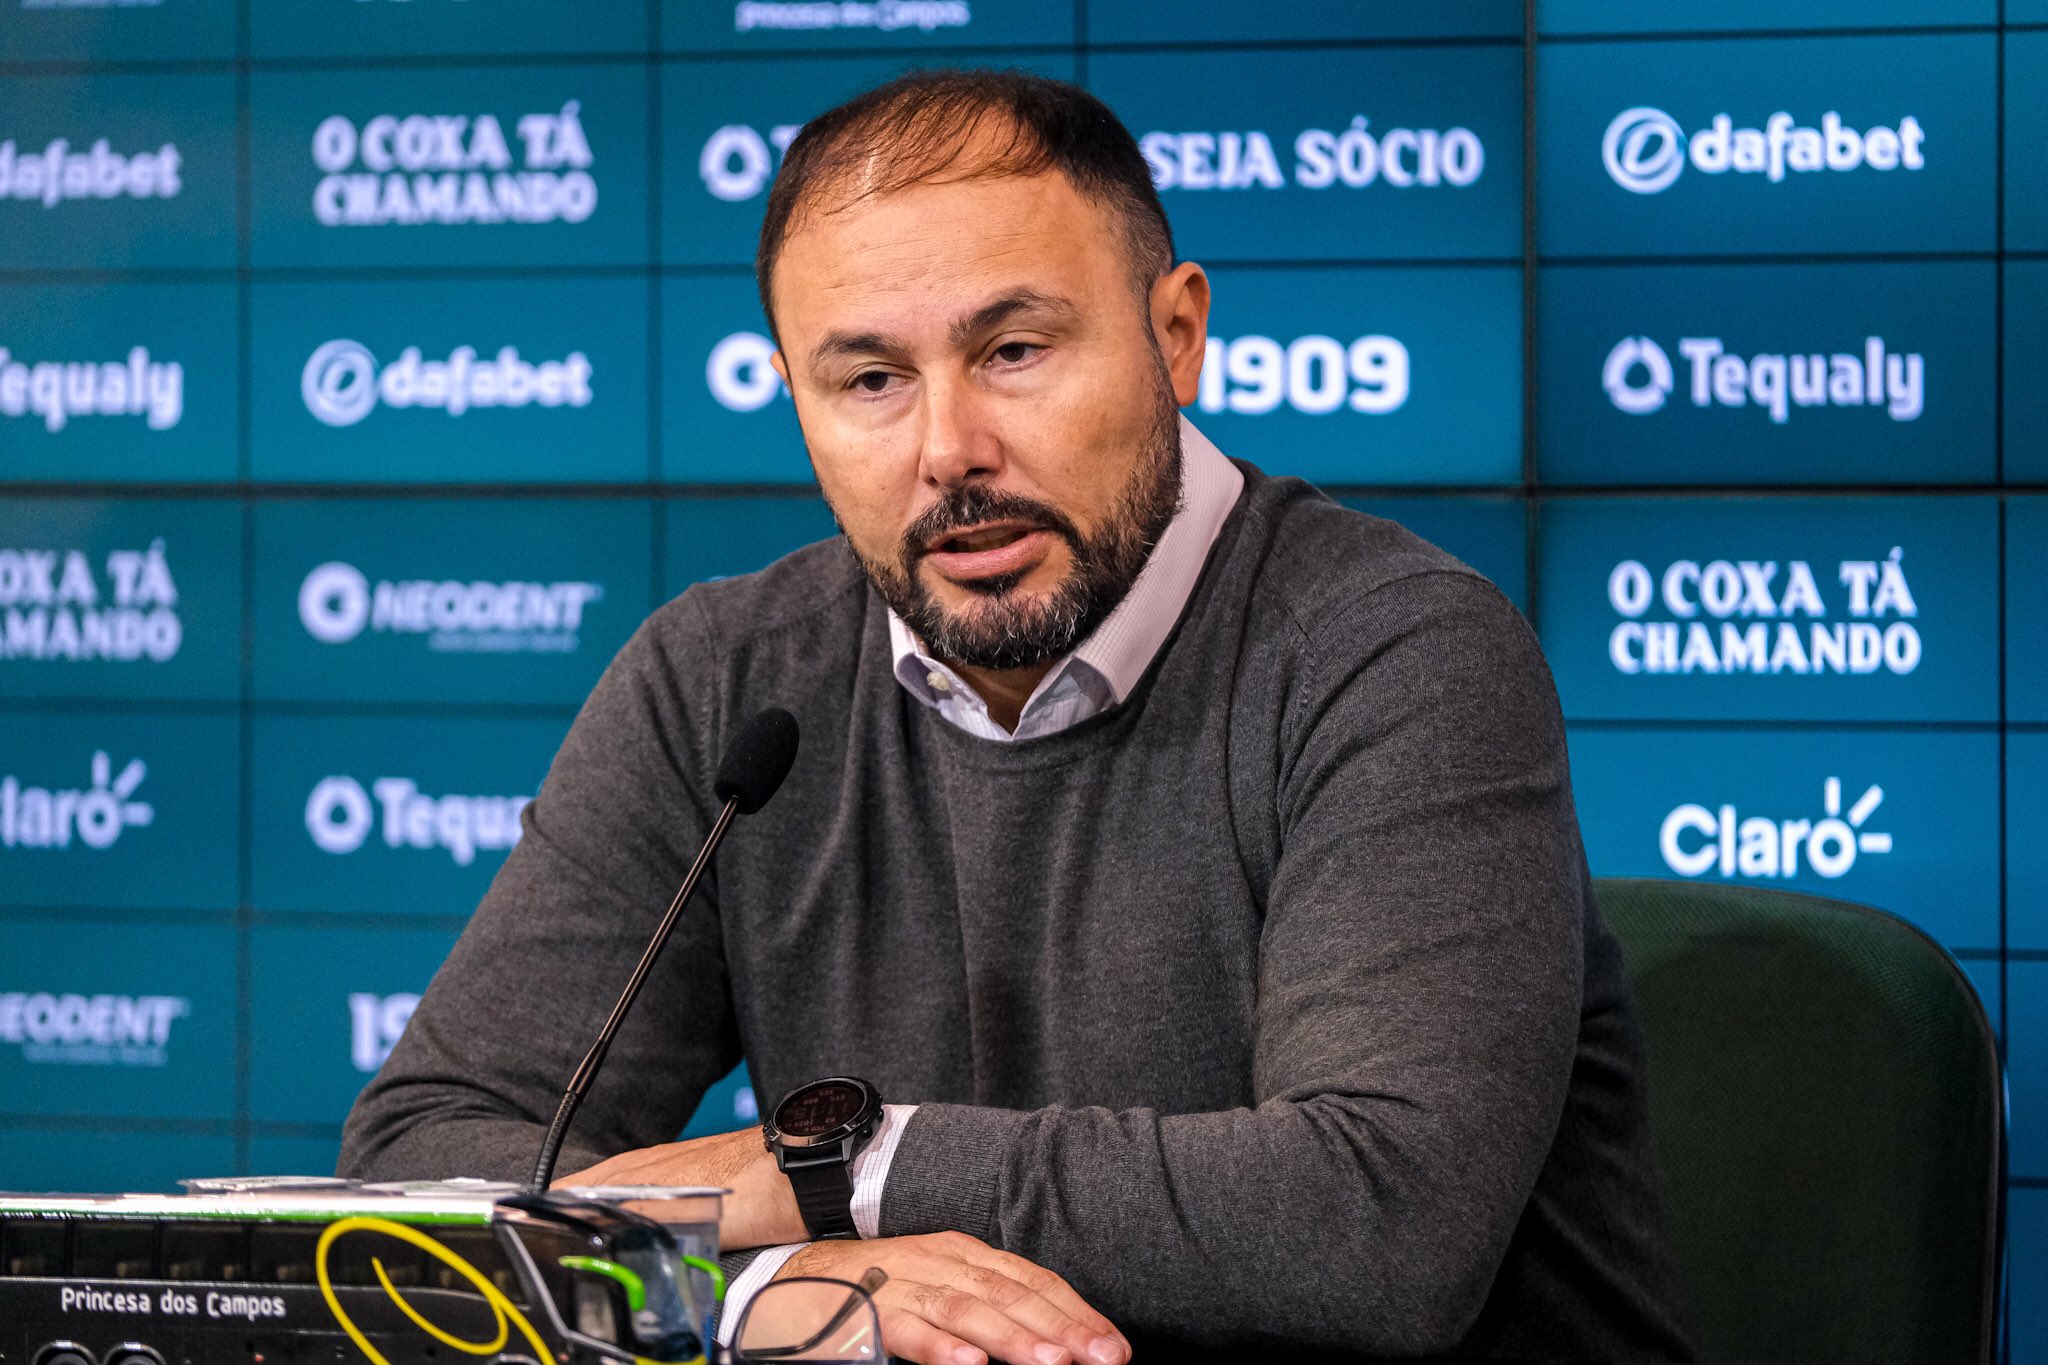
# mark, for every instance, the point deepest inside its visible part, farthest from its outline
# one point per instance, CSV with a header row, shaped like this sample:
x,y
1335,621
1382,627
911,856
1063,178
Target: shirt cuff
x,y
871,1168
748,1283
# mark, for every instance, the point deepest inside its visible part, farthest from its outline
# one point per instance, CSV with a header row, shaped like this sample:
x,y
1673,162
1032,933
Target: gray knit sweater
x,y
1269,1007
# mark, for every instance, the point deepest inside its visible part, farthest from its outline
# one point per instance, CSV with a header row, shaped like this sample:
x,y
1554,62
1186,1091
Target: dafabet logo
x,y
1645,150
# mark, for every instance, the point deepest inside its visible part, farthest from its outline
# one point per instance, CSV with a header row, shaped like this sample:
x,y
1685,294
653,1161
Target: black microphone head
x,y
757,760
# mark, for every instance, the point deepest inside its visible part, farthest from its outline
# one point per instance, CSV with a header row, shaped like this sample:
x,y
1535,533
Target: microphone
x,y
754,765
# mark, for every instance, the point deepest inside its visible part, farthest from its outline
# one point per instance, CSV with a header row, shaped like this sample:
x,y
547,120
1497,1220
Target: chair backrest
x,y
1828,1115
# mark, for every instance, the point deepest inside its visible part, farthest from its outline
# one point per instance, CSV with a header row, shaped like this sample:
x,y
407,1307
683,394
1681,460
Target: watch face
x,y
819,1108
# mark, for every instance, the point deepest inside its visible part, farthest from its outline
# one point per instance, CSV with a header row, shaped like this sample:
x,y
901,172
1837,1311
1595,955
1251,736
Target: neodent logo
x,y
1645,149
1638,377
1756,608
1696,841
90,1030
44,817
339,817
342,383
337,603
58,173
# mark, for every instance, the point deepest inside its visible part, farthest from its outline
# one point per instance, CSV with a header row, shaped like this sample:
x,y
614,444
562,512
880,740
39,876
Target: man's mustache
x,y
974,505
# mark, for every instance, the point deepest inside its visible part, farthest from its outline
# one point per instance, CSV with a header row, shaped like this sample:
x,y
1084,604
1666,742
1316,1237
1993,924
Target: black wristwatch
x,y
815,1134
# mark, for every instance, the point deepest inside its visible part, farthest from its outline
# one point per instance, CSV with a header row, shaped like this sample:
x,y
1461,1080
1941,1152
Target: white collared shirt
x,y
1099,674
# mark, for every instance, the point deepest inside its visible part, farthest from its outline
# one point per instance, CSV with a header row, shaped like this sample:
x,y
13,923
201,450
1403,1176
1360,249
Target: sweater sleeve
x,y
1419,986
473,1082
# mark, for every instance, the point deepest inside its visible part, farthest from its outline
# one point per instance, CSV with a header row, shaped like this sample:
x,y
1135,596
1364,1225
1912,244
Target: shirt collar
x,y
1117,653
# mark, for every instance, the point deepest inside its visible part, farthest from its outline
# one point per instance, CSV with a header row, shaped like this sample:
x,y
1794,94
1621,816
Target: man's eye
x,y
871,381
1014,352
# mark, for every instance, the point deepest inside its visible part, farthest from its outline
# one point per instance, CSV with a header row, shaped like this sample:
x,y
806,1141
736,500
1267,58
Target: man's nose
x,y
960,443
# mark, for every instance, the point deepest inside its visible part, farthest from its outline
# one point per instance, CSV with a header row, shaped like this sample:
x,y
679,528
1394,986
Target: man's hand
x,y
952,1299
761,1210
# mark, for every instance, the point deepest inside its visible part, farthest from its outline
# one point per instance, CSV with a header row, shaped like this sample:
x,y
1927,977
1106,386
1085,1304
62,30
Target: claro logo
x,y
340,817
343,383
1645,150
1697,841
53,817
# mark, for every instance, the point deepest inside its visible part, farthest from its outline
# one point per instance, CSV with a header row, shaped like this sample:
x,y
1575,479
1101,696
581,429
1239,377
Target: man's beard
x,y
1003,628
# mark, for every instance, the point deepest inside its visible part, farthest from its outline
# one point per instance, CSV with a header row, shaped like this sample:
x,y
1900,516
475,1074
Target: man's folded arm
x,y
474,1081
1419,992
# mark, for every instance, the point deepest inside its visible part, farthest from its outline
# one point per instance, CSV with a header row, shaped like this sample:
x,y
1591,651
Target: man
x,y
1190,862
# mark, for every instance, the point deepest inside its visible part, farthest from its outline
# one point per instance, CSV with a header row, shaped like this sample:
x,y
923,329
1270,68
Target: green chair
x,y
1828,1116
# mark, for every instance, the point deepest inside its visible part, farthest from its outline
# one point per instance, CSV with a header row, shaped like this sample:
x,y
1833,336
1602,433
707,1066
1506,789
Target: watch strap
x,y
824,1195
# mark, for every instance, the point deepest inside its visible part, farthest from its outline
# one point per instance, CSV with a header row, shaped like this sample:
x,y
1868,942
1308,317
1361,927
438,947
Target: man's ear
x,y
781,367
1180,325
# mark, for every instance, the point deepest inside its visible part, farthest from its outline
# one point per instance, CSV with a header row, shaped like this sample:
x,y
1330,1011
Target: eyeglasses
x,y
812,1319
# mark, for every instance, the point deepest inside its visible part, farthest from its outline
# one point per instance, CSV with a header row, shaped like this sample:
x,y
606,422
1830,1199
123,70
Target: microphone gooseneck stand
x,y
751,771
572,1098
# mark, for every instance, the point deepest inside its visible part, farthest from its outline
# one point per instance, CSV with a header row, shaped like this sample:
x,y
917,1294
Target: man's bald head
x,y
943,125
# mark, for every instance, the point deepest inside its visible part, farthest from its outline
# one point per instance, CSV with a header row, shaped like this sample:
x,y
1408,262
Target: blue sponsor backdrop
x,y
118,170
2026,339
449,381
1765,146
1345,154
129,381
725,124
360,599
349,28
543,165
1772,609
1769,374
126,597
124,1016
397,814
128,808
369,370
1903,819
340,998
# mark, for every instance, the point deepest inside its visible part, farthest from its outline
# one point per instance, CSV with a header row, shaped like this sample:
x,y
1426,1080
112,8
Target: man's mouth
x,y
987,551
981,538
